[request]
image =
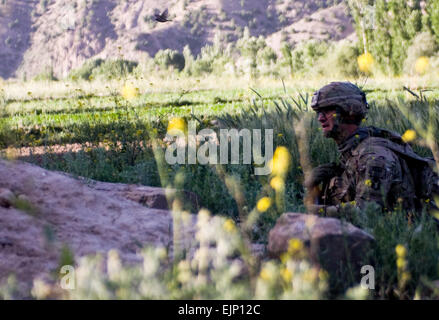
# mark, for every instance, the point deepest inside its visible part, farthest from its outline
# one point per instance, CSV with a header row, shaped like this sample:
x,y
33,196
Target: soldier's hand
x,y
321,173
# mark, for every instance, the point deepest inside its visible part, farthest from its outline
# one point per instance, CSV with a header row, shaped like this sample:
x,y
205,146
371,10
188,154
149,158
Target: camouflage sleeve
x,y
378,169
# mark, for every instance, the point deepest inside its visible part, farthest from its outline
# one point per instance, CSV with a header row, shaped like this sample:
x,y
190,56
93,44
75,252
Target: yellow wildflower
x,y
368,182
129,92
277,183
365,62
409,135
176,126
229,226
421,65
405,277
295,246
263,204
284,258
286,274
280,162
401,251
401,263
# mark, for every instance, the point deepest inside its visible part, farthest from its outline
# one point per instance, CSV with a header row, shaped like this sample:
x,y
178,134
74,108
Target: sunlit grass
x,y
116,135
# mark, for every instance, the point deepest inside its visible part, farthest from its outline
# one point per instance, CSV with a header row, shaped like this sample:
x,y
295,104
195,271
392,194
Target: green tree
x,y
395,24
169,59
423,44
249,47
287,57
433,14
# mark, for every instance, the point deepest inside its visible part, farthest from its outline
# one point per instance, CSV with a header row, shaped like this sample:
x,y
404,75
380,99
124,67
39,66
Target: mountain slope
x,y
39,34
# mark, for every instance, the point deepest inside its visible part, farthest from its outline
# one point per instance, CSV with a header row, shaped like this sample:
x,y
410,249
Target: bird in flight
x,y
163,17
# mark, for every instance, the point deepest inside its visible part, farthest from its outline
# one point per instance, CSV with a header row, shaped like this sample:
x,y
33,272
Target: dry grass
x,y
17,90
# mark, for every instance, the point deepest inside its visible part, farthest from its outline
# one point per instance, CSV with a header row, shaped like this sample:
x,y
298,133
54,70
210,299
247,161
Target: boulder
x,y
338,247
55,210
151,197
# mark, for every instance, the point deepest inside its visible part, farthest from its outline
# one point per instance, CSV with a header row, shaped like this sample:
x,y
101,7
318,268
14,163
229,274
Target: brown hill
x,y
60,34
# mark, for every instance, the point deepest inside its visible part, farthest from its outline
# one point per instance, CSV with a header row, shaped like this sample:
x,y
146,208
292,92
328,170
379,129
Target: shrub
x,y
339,61
212,59
423,44
111,69
86,70
46,75
169,58
304,57
196,21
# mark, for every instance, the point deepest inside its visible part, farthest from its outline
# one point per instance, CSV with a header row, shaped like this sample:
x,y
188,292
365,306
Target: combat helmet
x,y
349,100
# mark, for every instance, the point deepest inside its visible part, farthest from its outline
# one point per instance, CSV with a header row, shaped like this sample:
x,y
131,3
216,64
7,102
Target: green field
x,y
89,129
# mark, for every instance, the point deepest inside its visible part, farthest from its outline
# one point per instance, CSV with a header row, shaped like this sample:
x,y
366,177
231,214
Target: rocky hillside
x,y
62,34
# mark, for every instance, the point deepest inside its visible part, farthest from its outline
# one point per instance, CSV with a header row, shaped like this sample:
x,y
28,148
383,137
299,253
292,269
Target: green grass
x,y
116,139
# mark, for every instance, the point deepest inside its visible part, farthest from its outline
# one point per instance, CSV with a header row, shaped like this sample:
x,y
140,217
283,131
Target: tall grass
x,y
126,145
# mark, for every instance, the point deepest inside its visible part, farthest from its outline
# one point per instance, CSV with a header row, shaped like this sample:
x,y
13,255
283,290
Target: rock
x,y
69,212
338,247
152,197
6,198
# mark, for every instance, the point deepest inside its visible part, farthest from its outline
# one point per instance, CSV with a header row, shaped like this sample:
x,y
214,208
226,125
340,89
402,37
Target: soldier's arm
x,y
378,170
320,174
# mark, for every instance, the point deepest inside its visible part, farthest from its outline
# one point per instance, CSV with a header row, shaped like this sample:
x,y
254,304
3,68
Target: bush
x,y
304,57
252,51
86,70
212,59
196,21
168,58
419,238
339,61
423,44
111,69
106,69
46,75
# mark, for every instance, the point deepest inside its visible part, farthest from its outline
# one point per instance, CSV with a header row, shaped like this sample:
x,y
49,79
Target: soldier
x,y
374,163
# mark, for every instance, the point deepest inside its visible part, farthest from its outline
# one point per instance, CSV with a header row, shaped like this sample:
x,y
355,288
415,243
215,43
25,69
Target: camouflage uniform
x,y
371,169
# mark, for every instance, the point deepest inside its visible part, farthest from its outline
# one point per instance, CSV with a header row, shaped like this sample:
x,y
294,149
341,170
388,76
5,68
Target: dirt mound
x,y
42,211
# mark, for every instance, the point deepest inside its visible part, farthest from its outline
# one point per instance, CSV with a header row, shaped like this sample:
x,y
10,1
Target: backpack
x,y
425,179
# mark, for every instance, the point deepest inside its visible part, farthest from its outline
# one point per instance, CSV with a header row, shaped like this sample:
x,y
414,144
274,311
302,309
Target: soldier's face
x,y
326,117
